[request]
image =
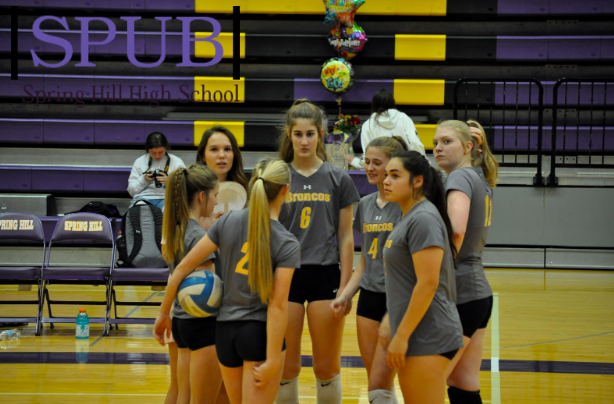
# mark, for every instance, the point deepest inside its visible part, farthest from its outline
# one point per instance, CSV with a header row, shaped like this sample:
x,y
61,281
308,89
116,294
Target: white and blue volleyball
x,y
200,293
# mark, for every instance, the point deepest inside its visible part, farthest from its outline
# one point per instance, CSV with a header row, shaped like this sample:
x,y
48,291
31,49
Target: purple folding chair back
x,y
21,226
17,228
83,226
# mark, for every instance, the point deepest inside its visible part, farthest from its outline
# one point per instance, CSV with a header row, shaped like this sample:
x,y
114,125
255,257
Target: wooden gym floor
x,y
550,340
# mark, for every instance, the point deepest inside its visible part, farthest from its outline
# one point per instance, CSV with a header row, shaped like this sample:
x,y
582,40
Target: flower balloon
x,y
342,11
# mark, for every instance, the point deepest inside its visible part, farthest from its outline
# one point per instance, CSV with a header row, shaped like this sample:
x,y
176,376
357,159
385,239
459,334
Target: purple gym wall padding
x,y
60,131
362,91
584,48
105,179
584,7
57,179
522,48
21,130
72,4
16,179
523,7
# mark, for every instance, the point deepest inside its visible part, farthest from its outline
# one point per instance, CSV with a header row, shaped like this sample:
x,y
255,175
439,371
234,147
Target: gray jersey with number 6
x,y
311,211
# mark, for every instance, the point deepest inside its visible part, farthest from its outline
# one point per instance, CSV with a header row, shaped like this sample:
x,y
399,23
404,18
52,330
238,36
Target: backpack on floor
x,y
138,243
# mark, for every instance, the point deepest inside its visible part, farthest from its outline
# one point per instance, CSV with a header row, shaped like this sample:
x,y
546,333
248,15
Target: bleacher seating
x,y
417,49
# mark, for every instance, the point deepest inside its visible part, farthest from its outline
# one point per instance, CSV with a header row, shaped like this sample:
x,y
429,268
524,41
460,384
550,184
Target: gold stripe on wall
x,y
381,7
203,49
219,89
419,92
426,133
237,129
420,47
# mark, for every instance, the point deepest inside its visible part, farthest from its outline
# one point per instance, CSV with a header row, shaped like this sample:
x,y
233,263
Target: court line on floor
x,y
560,340
495,379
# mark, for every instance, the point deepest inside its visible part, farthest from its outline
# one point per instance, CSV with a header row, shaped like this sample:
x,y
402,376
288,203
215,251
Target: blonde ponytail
x,y
268,178
485,158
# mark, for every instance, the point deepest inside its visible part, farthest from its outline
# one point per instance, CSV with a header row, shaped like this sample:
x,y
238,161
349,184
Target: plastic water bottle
x,y
10,334
83,325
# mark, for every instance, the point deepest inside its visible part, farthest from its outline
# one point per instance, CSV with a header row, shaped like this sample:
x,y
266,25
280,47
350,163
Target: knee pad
x,y
381,397
458,396
329,391
288,392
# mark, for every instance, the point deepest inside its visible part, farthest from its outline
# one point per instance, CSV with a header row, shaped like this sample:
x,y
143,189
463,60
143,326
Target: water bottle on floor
x,y
9,334
83,325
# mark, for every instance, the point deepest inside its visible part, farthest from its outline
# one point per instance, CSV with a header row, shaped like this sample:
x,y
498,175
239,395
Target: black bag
x,y
105,209
138,243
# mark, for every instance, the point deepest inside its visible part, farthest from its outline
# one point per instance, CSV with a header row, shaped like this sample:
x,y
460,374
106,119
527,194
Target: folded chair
x,y
18,230
79,228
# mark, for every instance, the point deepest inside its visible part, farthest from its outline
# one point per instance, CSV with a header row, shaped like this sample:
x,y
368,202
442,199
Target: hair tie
x,y
185,172
259,178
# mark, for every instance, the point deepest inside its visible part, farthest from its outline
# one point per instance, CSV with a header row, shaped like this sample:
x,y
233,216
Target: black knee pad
x,y
458,396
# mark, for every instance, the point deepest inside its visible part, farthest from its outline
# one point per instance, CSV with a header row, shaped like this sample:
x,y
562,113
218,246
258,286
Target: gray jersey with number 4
x,y
229,233
471,282
440,329
375,224
311,211
193,234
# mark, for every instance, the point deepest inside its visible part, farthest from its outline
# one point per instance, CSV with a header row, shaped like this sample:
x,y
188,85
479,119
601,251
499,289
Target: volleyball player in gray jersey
x,y
190,194
375,218
318,209
420,283
258,257
462,151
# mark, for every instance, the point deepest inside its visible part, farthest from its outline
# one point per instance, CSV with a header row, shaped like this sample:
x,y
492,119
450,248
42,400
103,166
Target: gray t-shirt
x,y
471,282
375,224
193,234
440,329
311,211
229,233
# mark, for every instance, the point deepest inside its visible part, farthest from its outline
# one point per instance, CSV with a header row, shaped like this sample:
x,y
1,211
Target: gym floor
x,y
550,340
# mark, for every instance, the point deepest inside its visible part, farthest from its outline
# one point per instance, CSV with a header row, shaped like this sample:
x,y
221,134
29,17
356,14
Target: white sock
x,y
381,397
288,392
329,391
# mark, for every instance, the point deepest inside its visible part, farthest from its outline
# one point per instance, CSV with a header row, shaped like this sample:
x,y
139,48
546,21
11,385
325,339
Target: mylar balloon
x,y
348,41
337,75
342,11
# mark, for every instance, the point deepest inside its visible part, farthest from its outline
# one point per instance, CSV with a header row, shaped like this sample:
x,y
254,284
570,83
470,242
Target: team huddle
x,y
424,299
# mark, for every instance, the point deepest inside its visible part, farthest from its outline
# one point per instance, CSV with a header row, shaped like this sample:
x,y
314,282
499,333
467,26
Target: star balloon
x,y
342,11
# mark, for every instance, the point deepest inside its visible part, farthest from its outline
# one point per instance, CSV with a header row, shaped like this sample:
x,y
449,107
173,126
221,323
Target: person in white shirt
x,y
386,120
142,184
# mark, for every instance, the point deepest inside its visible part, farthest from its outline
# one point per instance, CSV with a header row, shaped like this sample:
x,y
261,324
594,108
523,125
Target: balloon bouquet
x,y
348,39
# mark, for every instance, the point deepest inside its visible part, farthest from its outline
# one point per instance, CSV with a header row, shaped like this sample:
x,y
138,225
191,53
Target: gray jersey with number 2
x,y
229,233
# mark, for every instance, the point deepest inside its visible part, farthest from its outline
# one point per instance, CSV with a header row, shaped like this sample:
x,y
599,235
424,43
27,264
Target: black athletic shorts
x,y
239,341
194,333
371,305
311,283
474,315
450,355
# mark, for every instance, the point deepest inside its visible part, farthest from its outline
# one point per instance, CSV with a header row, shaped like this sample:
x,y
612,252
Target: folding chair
x,y
17,229
79,227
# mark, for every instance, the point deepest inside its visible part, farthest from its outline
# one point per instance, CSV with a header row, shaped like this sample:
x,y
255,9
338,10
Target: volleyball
x,y
200,293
